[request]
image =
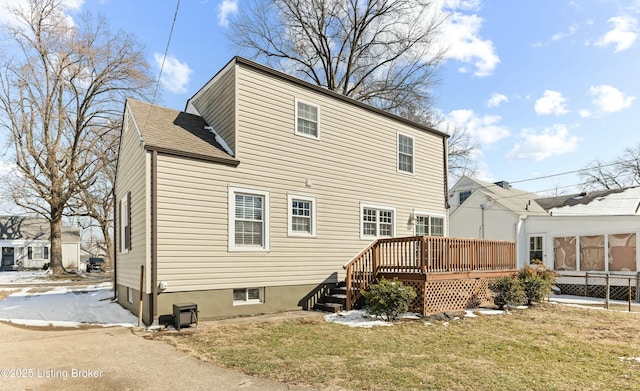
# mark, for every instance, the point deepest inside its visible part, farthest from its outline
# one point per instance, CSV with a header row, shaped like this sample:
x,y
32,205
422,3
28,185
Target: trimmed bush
x,y
508,291
536,281
388,299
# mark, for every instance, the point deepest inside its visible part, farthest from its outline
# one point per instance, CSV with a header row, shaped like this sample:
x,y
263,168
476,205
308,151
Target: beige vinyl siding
x,y
216,104
353,162
133,169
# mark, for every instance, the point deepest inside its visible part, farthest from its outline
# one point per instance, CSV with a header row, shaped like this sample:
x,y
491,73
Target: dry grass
x,y
549,347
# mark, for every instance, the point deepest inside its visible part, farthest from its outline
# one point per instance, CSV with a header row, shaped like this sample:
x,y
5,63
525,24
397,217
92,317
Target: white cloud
x,y
551,103
610,99
466,5
565,34
584,113
496,100
175,74
486,129
461,36
623,34
539,146
226,9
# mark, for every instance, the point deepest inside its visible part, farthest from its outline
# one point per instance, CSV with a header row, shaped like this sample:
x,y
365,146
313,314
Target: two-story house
x,y
259,192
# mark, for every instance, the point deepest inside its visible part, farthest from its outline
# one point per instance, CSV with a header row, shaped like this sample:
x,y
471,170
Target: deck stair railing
x,y
424,255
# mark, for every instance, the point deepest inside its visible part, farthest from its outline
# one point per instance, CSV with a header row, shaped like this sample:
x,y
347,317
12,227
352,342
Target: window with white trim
x,y
302,215
535,249
248,219
129,295
405,153
125,223
463,195
376,221
248,296
307,119
38,252
429,225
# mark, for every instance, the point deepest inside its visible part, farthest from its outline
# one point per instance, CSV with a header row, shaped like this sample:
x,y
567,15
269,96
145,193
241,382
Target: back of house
x,y
252,199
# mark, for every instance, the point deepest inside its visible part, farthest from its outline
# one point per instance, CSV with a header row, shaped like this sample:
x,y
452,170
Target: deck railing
x,y
424,255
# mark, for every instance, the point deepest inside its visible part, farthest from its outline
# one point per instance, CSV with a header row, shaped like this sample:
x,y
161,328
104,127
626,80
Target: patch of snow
x,y
28,277
410,315
220,140
636,359
65,306
355,318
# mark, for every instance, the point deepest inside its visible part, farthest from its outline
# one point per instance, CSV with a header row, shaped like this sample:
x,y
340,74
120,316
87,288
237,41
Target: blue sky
x,y
544,86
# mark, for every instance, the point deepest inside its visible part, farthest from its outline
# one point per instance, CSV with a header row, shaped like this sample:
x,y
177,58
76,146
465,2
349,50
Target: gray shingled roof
x,y
37,228
175,131
624,201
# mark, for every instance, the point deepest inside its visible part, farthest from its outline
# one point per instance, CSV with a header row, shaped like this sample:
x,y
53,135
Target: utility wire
x,y
164,59
166,51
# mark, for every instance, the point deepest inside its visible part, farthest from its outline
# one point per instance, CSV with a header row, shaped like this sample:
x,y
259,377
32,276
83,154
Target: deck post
x,y
423,263
376,261
348,288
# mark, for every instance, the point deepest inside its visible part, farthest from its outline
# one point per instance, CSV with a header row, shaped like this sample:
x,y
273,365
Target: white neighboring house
x,y
25,243
587,232
494,211
572,234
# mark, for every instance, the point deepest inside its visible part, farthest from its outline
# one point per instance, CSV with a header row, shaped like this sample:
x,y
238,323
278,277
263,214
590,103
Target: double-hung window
x,y
405,153
535,249
302,215
307,119
248,219
377,221
37,252
429,225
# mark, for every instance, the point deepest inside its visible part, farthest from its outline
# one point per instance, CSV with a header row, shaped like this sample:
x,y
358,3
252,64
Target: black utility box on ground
x,y
185,314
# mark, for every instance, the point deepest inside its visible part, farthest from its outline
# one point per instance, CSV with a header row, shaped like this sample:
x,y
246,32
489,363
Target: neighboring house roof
x,y
172,131
613,202
517,201
34,228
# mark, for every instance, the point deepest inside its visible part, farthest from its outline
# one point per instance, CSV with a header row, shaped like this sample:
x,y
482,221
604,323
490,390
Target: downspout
x,y
482,206
516,228
154,237
115,244
445,149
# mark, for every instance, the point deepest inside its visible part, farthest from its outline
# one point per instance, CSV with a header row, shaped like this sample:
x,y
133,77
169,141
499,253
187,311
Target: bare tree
x,y
381,52
97,201
623,171
58,94
462,150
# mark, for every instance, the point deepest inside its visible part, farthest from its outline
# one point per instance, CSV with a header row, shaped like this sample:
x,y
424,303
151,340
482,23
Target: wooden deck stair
x,y
335,300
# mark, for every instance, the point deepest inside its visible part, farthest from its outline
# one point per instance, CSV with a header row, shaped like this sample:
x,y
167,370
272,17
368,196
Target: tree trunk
x,y
107,242
56,245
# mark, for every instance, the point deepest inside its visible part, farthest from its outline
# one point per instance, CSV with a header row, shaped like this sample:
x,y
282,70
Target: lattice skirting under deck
x,y
450,295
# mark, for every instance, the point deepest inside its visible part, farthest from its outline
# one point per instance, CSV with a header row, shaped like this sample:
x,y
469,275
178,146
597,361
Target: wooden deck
x,y
436,267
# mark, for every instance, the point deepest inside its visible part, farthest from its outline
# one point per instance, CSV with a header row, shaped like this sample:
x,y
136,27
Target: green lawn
x,y
548,347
